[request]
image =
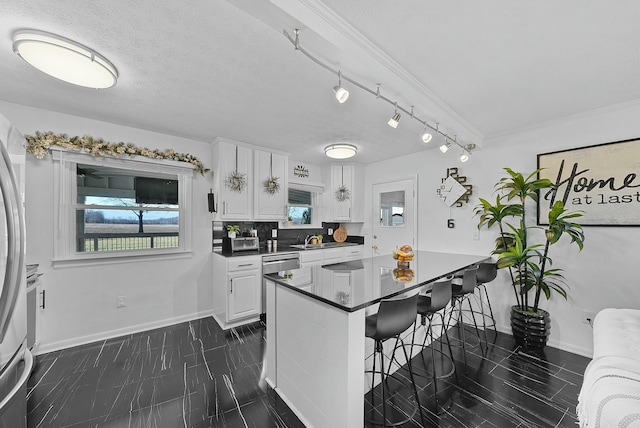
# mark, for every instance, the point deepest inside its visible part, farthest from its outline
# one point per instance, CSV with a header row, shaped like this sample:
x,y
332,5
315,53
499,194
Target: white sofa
x,y
610,393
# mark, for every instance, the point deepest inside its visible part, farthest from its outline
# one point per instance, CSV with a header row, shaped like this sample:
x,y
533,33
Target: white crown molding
x,y
559,121
318,17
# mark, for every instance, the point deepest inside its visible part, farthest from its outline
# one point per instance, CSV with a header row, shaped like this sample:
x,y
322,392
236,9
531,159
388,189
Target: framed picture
x,y
602,181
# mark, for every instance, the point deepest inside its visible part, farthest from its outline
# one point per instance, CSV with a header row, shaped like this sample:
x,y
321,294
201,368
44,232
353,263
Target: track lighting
x,y
395,119
445,147
341,93
466,152
426,136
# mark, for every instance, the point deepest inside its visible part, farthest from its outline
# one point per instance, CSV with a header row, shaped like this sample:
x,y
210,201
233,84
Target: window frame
x,y
65,205
316,207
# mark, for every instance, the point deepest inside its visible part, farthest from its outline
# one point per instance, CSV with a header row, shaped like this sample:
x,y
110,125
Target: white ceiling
x,y
207,68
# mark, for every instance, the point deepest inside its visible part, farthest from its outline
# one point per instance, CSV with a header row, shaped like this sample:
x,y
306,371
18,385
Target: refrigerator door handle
x,y
15,242
24,376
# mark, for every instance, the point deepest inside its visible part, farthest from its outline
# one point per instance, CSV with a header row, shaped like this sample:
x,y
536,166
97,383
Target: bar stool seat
x,y
428,307
394,316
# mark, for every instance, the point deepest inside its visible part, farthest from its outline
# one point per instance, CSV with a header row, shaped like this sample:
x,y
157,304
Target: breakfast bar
x,y
316,345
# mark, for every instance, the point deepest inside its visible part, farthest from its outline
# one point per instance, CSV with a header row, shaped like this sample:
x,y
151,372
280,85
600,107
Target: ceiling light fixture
x,y
426,135
445,147
341,93
466,152
393,122
395,119
340,151
64,59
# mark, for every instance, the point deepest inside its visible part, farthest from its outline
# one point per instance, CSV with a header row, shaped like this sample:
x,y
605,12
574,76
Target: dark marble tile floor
x,y
196,375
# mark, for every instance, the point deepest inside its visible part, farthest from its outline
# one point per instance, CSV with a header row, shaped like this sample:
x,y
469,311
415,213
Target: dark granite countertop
x,y
282,248
354,285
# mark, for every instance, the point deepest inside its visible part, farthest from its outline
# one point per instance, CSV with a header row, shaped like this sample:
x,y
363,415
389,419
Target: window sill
x,y
118,258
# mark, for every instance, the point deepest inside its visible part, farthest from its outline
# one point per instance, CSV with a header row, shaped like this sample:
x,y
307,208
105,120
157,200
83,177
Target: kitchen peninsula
x,y
316,344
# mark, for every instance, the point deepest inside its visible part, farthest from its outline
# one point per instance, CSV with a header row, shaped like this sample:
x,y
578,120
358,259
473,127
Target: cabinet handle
x,y
224,207
245,264
43,298
231,291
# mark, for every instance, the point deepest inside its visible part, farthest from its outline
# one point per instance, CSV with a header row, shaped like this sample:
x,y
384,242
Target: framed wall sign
x,y
602,181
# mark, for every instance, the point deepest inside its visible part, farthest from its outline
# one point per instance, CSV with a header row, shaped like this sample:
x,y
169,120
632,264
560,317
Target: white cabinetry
x,y
269,206
348,210
311,258
229,157
237,294
353,253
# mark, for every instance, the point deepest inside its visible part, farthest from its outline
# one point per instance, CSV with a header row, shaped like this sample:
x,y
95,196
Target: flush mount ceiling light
x,y
64,59
340,151
341,93
395,119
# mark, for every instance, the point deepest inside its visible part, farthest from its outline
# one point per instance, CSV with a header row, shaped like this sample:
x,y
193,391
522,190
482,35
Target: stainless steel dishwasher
x,y
274,263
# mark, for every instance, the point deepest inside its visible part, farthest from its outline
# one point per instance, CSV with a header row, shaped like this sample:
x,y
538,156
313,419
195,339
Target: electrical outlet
x,y
330,231
274,233
588,316
121,301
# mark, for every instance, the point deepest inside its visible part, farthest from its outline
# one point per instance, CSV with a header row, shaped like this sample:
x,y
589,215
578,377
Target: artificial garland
x,y
38,145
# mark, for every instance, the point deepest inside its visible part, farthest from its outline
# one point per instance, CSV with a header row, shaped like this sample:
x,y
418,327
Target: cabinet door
x,y
353,253
333,255
266,205
342,175
235,204
244,297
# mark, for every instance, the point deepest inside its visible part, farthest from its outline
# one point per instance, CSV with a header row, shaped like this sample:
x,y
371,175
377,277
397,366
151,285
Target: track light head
x,y
426,137
395,119
464,156
445,147
341,94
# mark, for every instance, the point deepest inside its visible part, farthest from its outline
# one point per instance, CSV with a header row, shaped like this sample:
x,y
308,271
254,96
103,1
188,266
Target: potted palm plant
x,y
524,250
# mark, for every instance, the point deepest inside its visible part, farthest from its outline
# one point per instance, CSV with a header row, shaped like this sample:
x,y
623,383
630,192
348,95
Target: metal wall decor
x,y
453,190
271,185
343,193
236,181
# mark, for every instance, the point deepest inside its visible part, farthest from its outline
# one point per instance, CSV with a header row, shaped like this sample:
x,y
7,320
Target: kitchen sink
x,y
323,245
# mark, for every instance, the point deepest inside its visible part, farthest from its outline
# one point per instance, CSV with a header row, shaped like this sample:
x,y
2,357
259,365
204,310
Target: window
x,y
118,207
303,208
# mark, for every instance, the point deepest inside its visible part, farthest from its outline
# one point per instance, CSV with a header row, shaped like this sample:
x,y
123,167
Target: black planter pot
x,y
530,330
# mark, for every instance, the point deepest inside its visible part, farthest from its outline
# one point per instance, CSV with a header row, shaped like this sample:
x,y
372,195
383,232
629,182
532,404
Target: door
x,y
394,216
244,295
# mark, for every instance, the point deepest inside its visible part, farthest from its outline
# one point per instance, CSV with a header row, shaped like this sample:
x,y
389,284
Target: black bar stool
x,y
487,272
460,294
428,307
394,316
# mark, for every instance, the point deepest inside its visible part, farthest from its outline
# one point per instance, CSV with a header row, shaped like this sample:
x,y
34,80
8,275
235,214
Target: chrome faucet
x,y
307,239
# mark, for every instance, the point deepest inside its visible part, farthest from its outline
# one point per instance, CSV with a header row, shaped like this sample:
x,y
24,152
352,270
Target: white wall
x,y
600,276
81,301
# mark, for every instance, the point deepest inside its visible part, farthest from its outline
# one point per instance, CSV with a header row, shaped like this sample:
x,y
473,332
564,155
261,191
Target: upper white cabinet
x,y
229,158
270,205
346,205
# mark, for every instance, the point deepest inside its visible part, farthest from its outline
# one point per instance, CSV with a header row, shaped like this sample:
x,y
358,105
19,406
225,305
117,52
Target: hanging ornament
x,y
343,194
271,185
236,181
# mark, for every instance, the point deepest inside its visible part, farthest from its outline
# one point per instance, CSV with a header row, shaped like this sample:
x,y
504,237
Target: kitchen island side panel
x,y
320,357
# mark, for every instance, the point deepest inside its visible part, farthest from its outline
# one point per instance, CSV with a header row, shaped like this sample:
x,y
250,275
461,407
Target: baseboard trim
x,y
44,348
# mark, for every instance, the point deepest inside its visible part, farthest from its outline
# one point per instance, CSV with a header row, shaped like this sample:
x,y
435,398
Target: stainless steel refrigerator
x,y
16,360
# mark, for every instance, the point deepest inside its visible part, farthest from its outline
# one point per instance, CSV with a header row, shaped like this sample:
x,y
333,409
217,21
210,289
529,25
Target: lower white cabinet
x,y
237,290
